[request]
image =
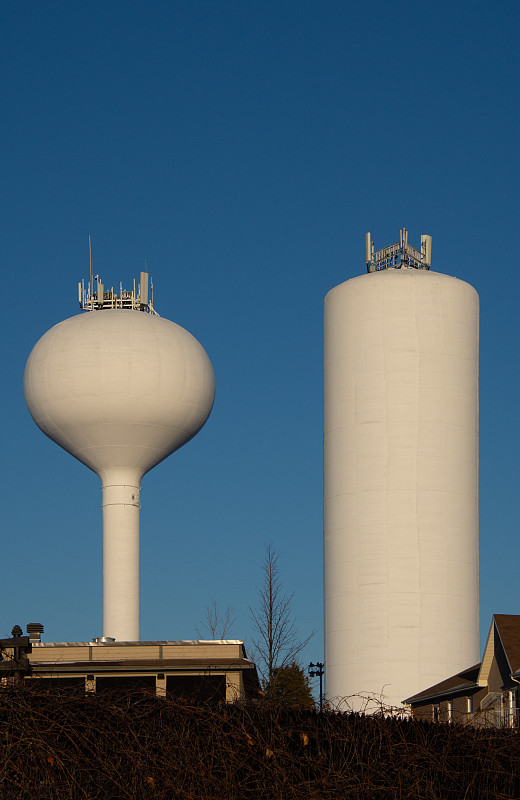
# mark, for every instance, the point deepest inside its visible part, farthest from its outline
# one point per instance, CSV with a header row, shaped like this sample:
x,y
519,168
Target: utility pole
x,y
316,671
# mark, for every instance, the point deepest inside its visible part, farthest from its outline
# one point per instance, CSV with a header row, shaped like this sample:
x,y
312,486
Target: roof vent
x,y
35,630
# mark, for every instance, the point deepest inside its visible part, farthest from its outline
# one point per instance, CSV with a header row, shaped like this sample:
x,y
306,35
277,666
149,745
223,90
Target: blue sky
x,y
243,149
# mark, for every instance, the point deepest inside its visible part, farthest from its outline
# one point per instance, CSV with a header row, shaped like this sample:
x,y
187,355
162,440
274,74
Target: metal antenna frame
x,y
399,255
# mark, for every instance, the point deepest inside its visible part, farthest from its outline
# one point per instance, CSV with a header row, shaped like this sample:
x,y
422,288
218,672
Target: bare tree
x,y
276,640
217,622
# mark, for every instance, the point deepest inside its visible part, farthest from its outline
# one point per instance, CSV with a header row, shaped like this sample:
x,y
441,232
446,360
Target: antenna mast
x,y
91,285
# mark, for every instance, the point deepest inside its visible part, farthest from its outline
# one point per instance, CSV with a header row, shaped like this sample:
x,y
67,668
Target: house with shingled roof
x,y
485,694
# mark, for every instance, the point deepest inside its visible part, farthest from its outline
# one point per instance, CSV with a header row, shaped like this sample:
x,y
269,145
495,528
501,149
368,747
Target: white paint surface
x,y
400,483
119,390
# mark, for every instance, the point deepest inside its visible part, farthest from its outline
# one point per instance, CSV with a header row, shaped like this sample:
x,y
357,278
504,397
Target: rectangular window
x,y
436,709
469,706
198,688
126,683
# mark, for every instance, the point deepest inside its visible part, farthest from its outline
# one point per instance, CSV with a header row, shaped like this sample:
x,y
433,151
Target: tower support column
x,y
121,510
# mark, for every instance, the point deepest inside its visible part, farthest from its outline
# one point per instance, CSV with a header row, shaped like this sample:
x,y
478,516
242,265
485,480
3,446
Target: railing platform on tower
x,y
398,255
91,299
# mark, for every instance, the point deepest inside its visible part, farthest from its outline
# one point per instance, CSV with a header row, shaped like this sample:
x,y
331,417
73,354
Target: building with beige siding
x,y
208,671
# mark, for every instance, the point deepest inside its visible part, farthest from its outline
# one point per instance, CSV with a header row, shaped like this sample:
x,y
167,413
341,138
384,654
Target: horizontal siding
x,y
54,654
202,651
125,653
144,652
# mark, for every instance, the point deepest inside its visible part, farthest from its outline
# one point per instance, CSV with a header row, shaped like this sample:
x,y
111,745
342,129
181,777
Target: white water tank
x,y
400,483
120,390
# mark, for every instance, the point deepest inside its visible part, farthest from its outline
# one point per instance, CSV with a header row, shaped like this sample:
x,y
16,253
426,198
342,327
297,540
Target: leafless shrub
x,y
136,746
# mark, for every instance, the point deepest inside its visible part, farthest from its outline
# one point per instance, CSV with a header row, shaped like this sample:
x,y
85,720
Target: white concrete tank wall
x,y
400,483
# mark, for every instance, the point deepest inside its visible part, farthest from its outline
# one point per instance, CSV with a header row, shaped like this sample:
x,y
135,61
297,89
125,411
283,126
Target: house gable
x,y
502,652
508,627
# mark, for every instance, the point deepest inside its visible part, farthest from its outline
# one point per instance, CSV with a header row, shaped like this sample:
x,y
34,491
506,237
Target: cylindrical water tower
x,y
119,388
400,478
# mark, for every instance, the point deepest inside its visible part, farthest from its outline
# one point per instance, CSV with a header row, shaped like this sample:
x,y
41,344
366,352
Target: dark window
x,y
199,688
126,683
57,683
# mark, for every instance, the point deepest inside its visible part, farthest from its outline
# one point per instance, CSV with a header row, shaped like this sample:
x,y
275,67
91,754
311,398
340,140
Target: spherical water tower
x,y
119,388
400,477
